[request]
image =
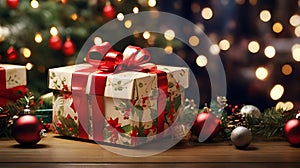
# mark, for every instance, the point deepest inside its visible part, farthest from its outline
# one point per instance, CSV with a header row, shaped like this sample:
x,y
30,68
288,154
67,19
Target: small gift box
x,y
12,83
120,99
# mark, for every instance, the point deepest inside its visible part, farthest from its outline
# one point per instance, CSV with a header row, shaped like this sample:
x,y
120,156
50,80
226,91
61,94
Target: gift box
x,y
116,103
12,83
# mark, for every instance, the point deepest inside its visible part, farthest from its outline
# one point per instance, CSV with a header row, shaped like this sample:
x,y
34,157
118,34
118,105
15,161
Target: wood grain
x,y
60,151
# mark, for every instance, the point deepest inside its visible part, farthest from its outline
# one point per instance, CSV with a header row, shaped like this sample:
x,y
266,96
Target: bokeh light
x,y
224,45
214,49
277,27
287,69
277,92
261,73
169,34
265,15
297,31
207,13
26,52
128,24
135,10
29,66
201,61
34,4
97,40
151,3
53,31
146,35
169,49
270,51
38,38
194,40
253,46
120,16
295,20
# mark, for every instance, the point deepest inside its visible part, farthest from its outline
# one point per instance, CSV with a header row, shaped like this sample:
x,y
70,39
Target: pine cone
x,y
235,120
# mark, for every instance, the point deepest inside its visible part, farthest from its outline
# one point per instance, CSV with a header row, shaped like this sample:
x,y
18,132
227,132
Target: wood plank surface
x,y
54,151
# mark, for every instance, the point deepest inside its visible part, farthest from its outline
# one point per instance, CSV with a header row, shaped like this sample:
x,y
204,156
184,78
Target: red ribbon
x,y
133,58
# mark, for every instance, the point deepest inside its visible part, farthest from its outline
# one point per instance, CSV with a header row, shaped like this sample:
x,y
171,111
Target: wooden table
x,y
55,151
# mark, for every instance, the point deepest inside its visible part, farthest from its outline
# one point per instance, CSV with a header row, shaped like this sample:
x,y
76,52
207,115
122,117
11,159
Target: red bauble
x,y
13,4
206,126
109,12
11,53
55,43
292,131
27,130
69,47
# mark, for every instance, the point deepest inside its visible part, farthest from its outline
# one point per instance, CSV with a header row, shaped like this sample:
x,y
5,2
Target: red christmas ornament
x,y
292,131
206,126
13,4
27,130
11,53
55,43
109,11
69,47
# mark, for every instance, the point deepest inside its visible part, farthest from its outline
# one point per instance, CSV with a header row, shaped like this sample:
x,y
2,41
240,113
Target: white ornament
x,y
251,111
241,137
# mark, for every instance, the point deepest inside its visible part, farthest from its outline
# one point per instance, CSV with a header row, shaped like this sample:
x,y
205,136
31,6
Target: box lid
x,y
12,76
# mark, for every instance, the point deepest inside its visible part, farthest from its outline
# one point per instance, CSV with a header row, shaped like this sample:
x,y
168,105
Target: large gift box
x,y
12,83
116,103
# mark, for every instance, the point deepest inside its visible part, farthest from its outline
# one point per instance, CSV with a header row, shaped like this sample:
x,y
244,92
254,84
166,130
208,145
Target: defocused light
x,y
286,69
224,45
128,23
253,2
261,73
169,49
26,52
195,7
29,66
120,16
253,47
146,35
265,15
207,13
151,3
194,40
270,51
74,16
201,61
169,34
297,31
284,106
240,2
214,49
38,38
276,92
53,31
97,41
34,4
295,20
296,54
277,27
135,9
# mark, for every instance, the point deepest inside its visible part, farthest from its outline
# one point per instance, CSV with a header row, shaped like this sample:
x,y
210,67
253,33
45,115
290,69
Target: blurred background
x,y
257,40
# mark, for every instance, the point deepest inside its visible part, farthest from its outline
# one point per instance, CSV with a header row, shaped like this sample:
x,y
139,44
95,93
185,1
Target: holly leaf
x,y
127,128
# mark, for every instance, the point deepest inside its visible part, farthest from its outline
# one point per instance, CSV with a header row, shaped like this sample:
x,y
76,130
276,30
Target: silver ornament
x,y
250,110
241,137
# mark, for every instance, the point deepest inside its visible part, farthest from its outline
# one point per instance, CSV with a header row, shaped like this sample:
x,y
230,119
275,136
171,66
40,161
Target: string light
x,y
261,73
224,45
214,49
265,15
270,51
297,31
277,92
53,31
97,41
253,46
207,13
277,27
287,69
151,3
34,4
135,10
128,24
26,52
120,16
201,61
38,37
169,49
295,20
29,66
169,34
146,35
194,41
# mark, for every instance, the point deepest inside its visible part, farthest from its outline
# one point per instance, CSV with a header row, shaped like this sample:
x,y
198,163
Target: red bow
x,y
133,58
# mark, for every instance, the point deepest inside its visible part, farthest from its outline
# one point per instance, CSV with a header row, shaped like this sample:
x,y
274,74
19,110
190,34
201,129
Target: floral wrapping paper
x,y
130,104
